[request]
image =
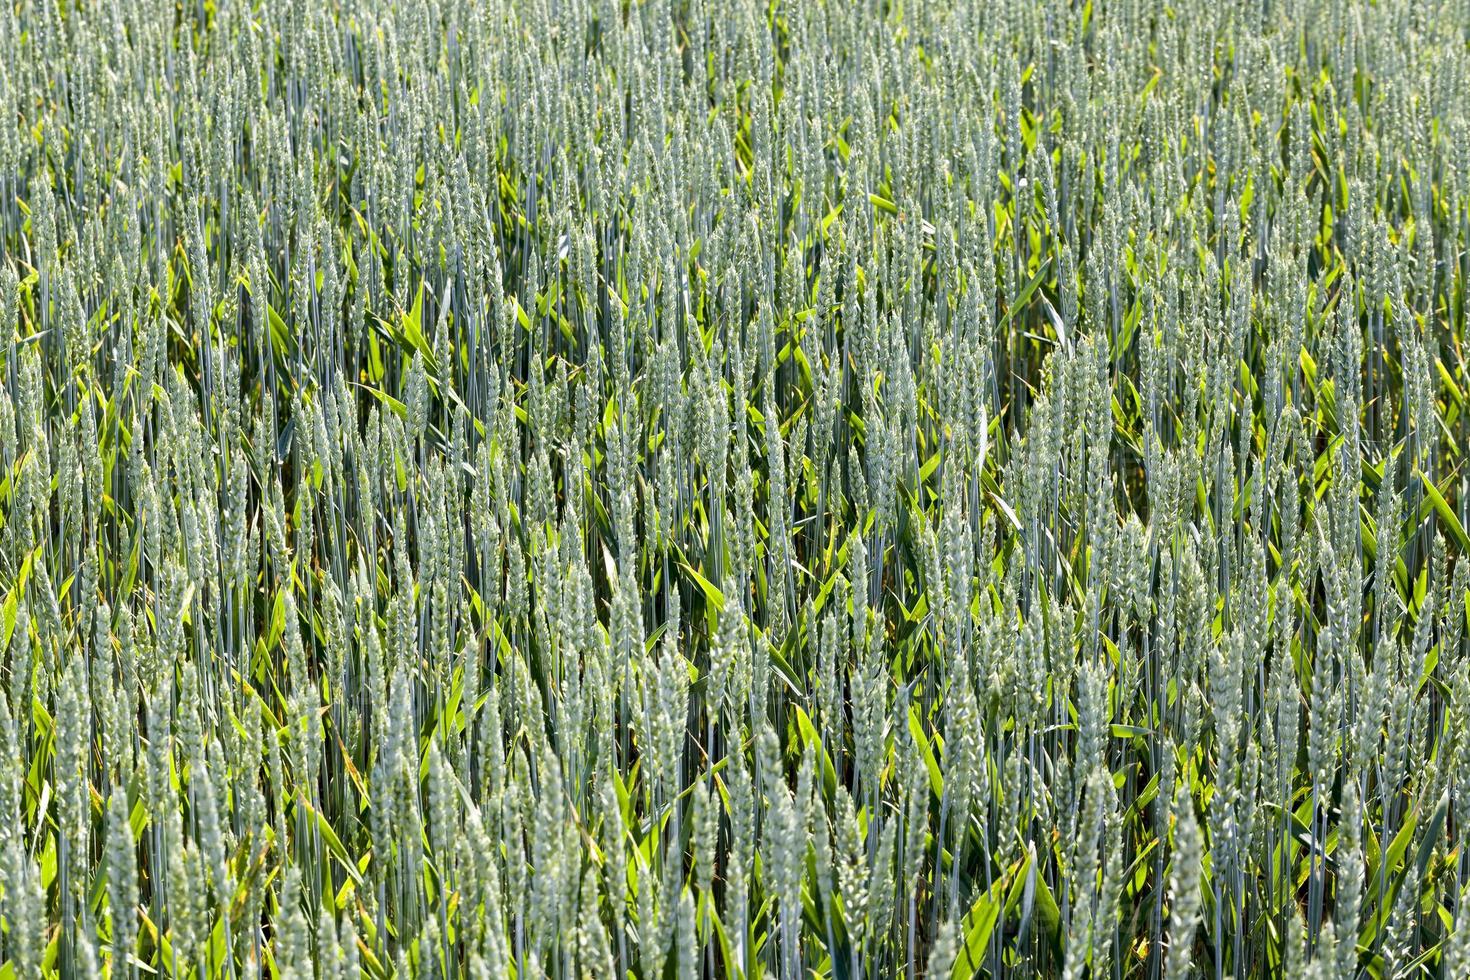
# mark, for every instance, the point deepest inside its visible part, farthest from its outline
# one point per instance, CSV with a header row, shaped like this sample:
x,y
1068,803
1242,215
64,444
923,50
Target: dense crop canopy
x,y
674,488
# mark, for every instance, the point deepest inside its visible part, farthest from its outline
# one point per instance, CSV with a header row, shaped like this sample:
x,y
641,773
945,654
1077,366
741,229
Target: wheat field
x,y
782,488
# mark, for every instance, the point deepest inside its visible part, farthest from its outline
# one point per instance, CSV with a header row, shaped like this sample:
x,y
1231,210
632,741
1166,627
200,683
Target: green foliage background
x,y
590,488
